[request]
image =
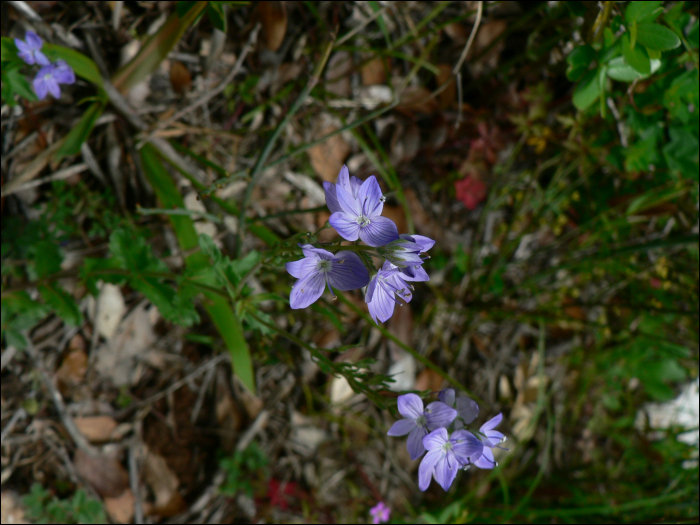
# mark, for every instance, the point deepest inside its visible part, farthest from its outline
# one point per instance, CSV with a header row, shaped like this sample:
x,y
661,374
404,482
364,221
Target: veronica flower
x,y
467,409
446,455
383,289
419,422
49,77
405,253
320,268
29,49
360,214
380,513
489,438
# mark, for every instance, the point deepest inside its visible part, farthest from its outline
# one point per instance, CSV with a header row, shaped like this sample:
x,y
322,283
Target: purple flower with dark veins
x,y
385,289
320,268
405,253
489,438
348,183
419,422
359,215
29,49
467,409
49,77
446,456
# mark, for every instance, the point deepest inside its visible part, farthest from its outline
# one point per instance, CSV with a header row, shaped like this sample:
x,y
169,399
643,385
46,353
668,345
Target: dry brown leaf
x,y
417,99
96,429
373,72
327,158
121,508
106,475
338,74
457,32
163,484
72,369
488,32
429,380
12,511
273,16
448,96
180,77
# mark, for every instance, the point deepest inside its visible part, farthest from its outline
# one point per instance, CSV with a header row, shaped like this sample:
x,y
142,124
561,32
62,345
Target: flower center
x,y
363,221
324,266
421,420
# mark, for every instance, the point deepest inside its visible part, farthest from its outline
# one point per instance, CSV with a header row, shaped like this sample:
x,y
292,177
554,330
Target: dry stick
x,y
134,483
59,175
257,170
67,420
16,417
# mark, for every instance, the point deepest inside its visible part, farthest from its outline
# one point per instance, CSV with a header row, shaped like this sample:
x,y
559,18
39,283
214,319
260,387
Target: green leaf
x,y
633,34
620,70
80,132
14,82
217,16
209,248
579,61
183,7
642,11
636,57
83,66
47,258
587,91
8,49
63,303
657,37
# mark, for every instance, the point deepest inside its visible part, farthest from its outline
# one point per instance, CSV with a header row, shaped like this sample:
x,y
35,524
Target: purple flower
x,y
467,409
419,422
446,455
49,77
29,49
359,215
387,283
350,184
482,457
380,513
320,268
405,253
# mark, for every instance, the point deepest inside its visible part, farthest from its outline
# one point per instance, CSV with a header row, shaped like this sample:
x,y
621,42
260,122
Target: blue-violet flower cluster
x,y
439,430
51,75
356,214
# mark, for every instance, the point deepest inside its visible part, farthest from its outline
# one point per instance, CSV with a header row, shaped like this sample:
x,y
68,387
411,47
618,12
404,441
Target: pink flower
x,y
471,191
380,513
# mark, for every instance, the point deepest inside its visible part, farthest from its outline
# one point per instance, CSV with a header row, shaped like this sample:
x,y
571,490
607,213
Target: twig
x,y
202,392
259,423
59,175
134,483
67,420
16,417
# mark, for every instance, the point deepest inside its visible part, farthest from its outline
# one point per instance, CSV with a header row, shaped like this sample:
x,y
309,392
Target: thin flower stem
x,y
410,350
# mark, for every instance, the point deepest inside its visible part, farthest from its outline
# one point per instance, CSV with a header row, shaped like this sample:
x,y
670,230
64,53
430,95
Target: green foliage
x,y
244,470
42,507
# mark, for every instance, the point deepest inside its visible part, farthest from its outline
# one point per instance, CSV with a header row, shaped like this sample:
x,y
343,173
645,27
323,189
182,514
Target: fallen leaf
x,y
417,99
338,74
327,158
273,16
109,309
180,77
448,96
487,33
163,484
12,511
374,72
106,475
72,370
96,429
429,380
121,508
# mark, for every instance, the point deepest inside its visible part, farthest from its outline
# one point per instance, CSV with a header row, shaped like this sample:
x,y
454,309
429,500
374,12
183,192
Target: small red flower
x,y
471,191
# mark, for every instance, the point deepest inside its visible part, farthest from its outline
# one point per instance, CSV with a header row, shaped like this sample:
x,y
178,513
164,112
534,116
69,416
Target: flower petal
x,y
425,470
486,459
467,409
306,291
316,253
491,423
53,87
446,471
347,202
438,414
436,439
331,197
379,232
424,242
414,443
420,275
465,446
41,58
40,87
63,73
382,303
301,268
370,289
494,436
410,406
344,178
33,40
447,396
355,185
402,427
349,274
369,197
345,225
